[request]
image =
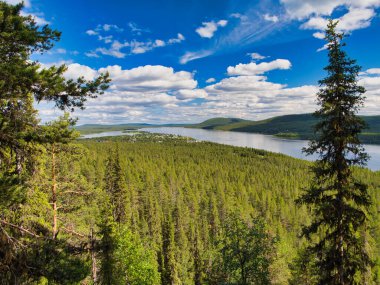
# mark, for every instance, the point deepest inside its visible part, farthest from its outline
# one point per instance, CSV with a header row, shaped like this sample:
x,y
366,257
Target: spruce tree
x,y
116,187
339,201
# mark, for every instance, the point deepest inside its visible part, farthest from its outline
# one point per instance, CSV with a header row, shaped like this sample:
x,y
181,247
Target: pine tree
x,y
22,83
107,246
116,187
339,201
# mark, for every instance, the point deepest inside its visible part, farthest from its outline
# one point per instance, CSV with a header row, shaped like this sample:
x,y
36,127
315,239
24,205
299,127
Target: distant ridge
x,y
298,126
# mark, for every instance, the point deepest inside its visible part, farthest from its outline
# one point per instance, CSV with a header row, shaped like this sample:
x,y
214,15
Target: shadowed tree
x,y
22,82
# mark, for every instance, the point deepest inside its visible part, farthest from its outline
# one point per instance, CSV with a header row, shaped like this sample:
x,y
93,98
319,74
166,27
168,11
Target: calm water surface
x,y
107,134
265,142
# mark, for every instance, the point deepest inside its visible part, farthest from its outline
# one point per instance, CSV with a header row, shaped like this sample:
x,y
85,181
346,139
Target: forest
x,y
167,209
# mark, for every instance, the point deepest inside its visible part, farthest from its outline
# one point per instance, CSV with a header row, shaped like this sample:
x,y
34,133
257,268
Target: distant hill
x,y
217,123
298,126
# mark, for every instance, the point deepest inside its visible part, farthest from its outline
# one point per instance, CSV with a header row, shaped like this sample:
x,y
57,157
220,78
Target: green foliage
x,y
124,259
340,201
137,264
247,251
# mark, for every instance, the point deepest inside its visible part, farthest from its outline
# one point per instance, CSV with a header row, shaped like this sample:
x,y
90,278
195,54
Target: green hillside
x,y
298,126
217,123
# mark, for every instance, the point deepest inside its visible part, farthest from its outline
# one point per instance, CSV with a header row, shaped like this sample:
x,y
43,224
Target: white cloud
x,y
239,16
103,28
75,70
354,19
135,29
373,71
91,54
114,50
109,27
255,69
255,97
302,9
91,32
136,94
210,80
150,77
256,56
160,94
358,15
39,19
189,56
324,47
319,35
184,94
117,48
208,29
370,80
176,40
106,39
270,18
14,2
222,23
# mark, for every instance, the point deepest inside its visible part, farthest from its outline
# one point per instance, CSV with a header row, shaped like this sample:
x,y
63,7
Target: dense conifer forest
x,y
167,210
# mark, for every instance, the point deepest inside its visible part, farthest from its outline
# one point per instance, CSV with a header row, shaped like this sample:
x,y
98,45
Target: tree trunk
x,y
93,258
54,193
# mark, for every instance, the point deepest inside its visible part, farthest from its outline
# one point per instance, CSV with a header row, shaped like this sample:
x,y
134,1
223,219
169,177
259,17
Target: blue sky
x,y
186,61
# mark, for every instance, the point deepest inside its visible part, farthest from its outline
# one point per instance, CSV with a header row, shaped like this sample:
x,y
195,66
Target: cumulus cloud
x,y
301,9
208,29
359,14
210,80
370,80
150,78
136,94
354,19
160,94
255,97
255,69
75,70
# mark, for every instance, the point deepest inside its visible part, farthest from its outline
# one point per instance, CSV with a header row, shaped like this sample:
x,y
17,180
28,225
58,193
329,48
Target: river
x,y
266,142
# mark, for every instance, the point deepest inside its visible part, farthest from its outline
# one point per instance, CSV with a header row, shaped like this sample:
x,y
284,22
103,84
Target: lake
x,y
266,142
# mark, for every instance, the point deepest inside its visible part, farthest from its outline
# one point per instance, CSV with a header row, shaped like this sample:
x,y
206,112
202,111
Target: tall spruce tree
x,y
339,201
